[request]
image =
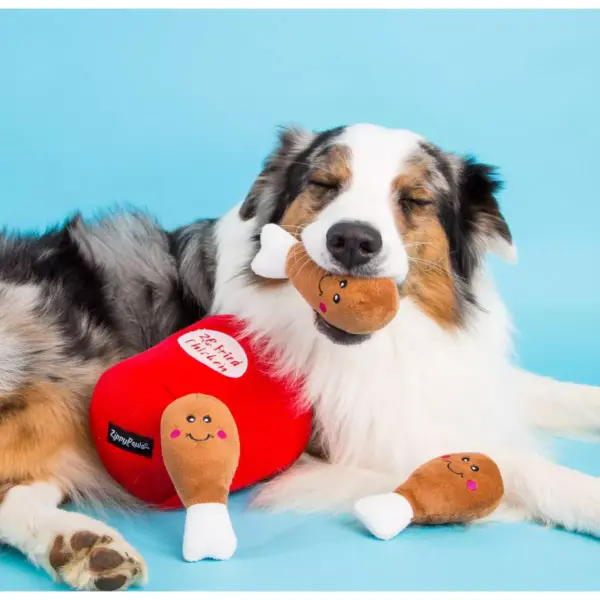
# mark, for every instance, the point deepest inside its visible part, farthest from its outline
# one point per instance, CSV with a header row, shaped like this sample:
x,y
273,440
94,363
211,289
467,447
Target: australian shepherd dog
x,y
440,378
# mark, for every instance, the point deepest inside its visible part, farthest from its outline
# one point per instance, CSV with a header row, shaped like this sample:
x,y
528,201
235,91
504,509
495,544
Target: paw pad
x,y
104,559
111,584
59,555
93,561
83,540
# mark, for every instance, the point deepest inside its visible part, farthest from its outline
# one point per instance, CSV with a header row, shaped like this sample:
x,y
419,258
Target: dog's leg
x,y
552,493
558,407
72,547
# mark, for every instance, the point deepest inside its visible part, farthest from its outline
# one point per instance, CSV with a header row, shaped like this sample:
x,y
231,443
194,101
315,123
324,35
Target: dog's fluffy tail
x,y
312,485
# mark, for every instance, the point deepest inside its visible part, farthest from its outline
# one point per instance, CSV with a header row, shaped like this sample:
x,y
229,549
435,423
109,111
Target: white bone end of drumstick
x,y
275,244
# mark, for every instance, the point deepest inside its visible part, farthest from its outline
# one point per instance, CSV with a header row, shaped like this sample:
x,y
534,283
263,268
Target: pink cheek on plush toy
x,y
221,434
471,485
323,307
175,434
446,456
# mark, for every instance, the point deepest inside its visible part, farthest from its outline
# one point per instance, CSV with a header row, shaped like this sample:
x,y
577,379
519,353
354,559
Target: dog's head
x,y
375,202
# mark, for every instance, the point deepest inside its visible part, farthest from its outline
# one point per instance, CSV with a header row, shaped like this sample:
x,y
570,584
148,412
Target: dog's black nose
x,y
353,244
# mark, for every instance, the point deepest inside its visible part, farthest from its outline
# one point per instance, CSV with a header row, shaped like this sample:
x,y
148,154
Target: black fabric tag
x,y
130,442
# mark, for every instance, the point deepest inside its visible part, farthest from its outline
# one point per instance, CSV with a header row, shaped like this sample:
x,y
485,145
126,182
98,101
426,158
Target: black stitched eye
x,y
343,283
465,459
190,419
206,419
474,468
336,298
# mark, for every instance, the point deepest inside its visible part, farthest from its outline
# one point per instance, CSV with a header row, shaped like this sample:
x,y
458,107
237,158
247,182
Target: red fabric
x,y
132,395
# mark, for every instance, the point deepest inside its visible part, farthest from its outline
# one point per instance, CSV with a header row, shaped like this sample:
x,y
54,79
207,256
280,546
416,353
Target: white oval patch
x,y
216,350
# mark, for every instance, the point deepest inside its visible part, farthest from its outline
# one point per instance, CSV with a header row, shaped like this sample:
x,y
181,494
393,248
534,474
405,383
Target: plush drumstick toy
x,y
353,304
454,488
201,450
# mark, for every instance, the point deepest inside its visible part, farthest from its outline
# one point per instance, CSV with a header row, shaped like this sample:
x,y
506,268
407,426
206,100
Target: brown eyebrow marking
x,y
334,165
414,181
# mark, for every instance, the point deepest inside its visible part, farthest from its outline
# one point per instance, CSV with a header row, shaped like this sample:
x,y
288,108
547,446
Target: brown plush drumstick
x,y
353,304
454,488
201,450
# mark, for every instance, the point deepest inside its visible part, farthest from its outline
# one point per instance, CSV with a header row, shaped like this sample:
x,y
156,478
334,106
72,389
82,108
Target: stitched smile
x,y
208,436
451,469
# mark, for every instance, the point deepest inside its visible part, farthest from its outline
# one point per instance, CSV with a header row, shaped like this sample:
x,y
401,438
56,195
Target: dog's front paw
x,y
89,560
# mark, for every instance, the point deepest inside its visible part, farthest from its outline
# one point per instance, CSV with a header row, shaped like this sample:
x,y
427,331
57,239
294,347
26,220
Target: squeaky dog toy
x,y
193,418
454,488
201,450
355,305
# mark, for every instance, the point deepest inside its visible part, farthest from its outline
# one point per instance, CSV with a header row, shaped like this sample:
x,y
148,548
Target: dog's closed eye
x,y
325,184
418,201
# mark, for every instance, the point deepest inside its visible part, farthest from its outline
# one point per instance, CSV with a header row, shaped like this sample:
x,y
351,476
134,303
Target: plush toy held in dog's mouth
x,y
348,308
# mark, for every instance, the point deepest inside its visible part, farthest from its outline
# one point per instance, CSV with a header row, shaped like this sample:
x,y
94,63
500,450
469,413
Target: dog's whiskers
x,y
432,265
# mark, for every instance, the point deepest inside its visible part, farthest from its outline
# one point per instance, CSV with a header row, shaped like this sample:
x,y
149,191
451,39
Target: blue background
x,y
174,112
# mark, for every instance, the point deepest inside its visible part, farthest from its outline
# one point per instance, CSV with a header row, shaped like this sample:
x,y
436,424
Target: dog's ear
x,y
480,217
250,205
291,141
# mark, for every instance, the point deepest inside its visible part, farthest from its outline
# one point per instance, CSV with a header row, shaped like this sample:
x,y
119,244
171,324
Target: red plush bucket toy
x,y
193,418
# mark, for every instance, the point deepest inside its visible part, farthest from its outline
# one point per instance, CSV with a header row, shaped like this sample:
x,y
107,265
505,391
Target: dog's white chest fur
x,y
414,392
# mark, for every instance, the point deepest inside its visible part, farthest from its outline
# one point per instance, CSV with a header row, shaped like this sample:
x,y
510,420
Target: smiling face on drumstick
x,y
199,425
472,471
200,447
